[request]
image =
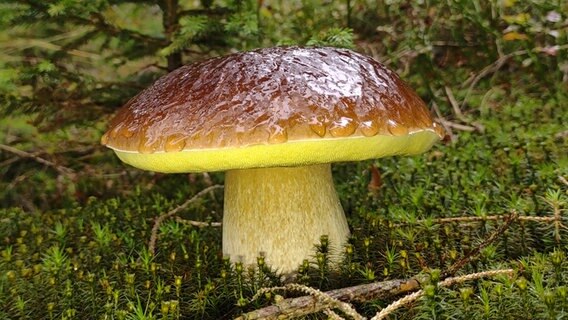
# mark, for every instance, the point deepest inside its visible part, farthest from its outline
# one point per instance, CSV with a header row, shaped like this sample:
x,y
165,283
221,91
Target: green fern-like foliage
x,y
68,56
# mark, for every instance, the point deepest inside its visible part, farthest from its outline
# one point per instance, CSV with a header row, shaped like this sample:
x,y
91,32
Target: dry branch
x,y
458,126
199,224
445,123
322,297
446,283
499,63
160,219
472,126
454,103
296,307
562,179
454,268
301,306
496,217
23,154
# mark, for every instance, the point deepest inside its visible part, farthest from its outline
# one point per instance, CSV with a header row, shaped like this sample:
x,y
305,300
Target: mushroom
x,y
274,119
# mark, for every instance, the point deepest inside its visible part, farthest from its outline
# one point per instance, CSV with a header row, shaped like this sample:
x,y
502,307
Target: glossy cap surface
x,y
281,106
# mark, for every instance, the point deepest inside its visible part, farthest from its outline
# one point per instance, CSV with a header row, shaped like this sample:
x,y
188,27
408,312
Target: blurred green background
x,y
76,223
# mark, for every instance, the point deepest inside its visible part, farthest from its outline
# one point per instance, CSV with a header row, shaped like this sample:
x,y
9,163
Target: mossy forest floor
x,y
475,228
74,250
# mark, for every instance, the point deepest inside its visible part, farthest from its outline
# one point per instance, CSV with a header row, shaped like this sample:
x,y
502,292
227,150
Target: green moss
x,y
91,258
76,246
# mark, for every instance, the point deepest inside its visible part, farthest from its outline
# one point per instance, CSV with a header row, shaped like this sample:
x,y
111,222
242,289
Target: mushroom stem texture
x,y
281,213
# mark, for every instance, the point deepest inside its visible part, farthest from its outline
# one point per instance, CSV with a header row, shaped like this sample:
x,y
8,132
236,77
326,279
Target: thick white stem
x,y
281,213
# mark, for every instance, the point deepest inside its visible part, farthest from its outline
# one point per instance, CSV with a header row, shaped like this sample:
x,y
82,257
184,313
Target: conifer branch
x,y
97,20
322,297
217,11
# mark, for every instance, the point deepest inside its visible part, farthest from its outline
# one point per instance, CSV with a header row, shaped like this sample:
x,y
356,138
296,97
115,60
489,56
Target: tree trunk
x,y
170,9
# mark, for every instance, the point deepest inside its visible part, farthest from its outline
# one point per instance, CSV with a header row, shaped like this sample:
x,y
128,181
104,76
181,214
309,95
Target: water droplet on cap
x,y
114,132
104,139
146,145
396,129
174,143
278,135
318,128
343,127
439,130
126,132
369,128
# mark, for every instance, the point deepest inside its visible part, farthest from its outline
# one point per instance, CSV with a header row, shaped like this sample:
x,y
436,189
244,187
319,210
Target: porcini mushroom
x,y
274,119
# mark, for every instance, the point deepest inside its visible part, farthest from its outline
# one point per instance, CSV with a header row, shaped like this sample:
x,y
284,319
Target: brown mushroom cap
x,y
268,97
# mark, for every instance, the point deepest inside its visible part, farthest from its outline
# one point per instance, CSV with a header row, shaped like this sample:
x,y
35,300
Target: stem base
x,y
281,213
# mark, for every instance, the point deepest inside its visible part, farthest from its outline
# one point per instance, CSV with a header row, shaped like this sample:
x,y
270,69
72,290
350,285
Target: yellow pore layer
x,y
291,153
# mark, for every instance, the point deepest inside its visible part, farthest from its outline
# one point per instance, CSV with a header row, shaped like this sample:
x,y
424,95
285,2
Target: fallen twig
x,y
458,126
479,219
9,161
296,307
449,125
454,104
563,180
23,154
440,118
301,306
472,126
200,224
499,63
160,219
454,268
332,315
322,297
446,283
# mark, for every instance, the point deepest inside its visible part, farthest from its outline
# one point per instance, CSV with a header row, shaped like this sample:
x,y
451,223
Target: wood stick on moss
x,y
557,223
475,252
458,113
23,154
323,297
301,306
171,213
561,178
440,118
481,219
446,283
199,224
296,307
